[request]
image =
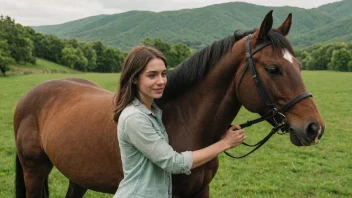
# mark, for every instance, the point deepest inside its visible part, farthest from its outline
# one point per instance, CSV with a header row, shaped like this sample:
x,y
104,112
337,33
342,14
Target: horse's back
x,y
73,124
44,93
82,81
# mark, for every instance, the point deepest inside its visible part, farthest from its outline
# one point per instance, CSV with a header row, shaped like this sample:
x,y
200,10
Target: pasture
x,y
278,169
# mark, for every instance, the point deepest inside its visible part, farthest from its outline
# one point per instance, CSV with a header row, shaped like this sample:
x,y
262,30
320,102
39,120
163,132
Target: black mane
x,y
197,66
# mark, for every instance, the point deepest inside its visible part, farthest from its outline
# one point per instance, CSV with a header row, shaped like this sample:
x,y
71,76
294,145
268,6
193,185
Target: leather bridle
x,y
273,112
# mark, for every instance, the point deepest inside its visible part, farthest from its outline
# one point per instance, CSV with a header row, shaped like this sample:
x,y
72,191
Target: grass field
x,y
278,169
41,67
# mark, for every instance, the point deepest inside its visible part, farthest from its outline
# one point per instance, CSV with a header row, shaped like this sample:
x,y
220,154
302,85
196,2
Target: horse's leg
x,y
75,190
203,194
33,160
35,174
20,187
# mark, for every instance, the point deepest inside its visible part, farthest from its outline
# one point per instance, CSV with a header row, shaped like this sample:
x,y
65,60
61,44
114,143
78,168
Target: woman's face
x,y
152,80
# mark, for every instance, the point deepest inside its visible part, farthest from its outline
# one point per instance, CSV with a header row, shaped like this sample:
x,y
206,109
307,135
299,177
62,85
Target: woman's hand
x,y
234,136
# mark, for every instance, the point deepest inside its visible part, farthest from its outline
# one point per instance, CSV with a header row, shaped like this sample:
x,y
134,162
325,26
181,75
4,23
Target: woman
x,y
147,158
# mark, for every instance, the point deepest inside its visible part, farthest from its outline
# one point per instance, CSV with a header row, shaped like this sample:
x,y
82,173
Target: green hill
x,y
340,31
339,10
201,26
41,67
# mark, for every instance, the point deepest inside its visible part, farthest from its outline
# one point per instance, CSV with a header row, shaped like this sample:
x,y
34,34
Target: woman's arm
x,y
143,136
233,137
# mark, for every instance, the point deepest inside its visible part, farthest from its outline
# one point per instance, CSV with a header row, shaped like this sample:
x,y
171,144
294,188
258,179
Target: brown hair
x,y
133,65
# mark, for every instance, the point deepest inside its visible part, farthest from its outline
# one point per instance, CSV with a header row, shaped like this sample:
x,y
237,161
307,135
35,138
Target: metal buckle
x,y
282,116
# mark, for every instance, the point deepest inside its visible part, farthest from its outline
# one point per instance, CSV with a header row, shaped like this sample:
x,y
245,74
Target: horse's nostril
x,y
312,130
322,131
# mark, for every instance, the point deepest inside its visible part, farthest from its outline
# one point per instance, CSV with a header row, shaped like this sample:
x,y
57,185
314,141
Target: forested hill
x,y
201,26
340,10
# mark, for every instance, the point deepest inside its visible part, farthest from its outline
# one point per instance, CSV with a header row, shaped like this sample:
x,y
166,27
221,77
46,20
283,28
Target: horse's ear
x,y
286,25
266,26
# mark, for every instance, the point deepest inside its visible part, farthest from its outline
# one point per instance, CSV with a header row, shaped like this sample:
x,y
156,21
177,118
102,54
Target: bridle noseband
x,y
273,112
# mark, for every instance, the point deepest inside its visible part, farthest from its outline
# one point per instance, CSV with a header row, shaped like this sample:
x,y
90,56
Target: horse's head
x,y
271,61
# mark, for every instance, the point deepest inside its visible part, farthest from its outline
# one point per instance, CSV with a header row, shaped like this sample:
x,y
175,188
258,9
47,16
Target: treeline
x,y
174,54
22,44
335,56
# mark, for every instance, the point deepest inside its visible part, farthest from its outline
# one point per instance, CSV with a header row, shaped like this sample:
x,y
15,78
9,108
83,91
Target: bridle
x,y
273,113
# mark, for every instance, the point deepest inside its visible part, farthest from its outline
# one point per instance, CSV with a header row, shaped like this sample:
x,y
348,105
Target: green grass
x,y
278,169
41,67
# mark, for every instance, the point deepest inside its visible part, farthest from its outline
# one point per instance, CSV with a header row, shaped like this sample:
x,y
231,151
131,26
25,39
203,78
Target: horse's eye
x,y
273,69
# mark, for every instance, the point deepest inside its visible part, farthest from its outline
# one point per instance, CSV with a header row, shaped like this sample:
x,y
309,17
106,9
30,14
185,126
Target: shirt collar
x,y
144,109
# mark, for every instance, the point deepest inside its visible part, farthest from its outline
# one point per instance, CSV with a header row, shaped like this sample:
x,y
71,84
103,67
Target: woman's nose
x,y
161,80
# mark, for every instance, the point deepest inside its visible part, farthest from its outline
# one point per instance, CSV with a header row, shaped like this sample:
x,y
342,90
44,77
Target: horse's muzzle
x,y
309,135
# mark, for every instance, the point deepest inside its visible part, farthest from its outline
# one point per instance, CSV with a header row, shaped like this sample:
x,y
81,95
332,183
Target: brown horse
x,y
68,123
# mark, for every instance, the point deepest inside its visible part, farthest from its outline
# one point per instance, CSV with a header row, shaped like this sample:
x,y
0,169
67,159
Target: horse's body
x,y
68,123
51,124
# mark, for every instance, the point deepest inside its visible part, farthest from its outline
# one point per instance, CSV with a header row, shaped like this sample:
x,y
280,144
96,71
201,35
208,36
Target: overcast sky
x,y
48,12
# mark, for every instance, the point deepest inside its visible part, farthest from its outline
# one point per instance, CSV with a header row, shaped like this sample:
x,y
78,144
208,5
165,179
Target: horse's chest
x,y
195,183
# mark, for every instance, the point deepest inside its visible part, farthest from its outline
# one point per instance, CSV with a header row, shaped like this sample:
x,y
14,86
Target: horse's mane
x,y
279,41
188,72
195,67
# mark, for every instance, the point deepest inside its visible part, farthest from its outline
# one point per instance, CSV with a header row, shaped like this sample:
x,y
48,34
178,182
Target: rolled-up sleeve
x,y
145,138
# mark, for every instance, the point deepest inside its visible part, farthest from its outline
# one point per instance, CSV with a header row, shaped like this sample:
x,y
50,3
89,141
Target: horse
x,y
67,123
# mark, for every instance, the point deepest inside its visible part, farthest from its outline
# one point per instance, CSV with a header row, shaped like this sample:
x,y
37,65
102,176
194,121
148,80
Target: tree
x,y
48,47
90,55
350,66
158,44
322,58
99,49
340,59
5,58
40,45
112,60
178,53
174,54
55,46
72,43
18,39
74,58
304,58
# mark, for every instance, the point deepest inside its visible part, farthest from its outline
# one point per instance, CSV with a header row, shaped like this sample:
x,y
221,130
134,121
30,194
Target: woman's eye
x,y
152,76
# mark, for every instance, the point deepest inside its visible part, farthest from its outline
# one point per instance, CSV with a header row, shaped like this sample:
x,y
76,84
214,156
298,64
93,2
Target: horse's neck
x,y
201,116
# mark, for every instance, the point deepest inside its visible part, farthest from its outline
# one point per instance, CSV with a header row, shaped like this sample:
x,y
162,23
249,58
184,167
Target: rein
x,y
273,112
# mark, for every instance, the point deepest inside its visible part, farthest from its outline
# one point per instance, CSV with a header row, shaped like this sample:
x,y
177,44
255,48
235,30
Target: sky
x,y
49,12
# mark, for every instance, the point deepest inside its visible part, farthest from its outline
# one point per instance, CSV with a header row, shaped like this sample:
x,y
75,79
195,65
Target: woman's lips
x,y
159,90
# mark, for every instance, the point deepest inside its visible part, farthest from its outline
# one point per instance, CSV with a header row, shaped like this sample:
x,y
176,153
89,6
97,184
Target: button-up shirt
x,y
147,158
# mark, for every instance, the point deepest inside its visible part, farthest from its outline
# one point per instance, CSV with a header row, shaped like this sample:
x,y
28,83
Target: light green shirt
x,y
147,158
